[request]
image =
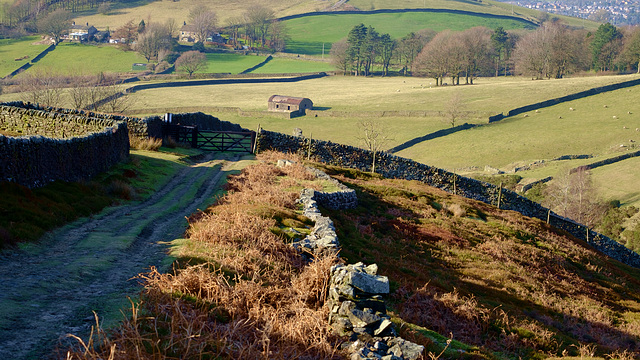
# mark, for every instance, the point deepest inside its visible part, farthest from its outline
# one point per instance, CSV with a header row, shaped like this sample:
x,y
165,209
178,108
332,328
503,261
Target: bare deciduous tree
x,y
204,20
191,61
42,87
339,55
154,39
258,23
573,195
55,24
374,136
454,109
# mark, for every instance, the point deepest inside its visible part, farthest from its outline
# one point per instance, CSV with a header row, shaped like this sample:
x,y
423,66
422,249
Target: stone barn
x,y
294,106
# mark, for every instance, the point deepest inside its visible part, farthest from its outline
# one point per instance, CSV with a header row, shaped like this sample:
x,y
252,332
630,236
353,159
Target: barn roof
x,y
281,99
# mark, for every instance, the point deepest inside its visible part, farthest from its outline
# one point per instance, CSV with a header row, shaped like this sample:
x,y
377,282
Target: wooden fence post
x,y
455,189
194,137
499,194
255,142
548,216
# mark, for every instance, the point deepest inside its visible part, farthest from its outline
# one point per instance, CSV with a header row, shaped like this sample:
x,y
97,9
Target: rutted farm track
x,y
51,289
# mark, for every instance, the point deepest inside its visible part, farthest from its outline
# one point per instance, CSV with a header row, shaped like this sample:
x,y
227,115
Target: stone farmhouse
x,y
81,32
294,106
187,33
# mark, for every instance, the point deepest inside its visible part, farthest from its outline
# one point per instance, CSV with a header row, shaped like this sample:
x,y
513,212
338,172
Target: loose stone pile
x,y
355,291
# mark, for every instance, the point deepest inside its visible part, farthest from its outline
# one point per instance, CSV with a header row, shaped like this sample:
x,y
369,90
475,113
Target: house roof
x,y
281,99
81,27
188,28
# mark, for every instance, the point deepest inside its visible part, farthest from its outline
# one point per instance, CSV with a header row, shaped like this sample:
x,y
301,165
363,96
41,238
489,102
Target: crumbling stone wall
x,y
396,167
355,300
77,147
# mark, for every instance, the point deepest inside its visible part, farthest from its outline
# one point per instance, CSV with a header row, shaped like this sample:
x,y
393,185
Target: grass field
x,y
284,65
161,11
309,33
590,129
11,49
485,6
75,58
230,63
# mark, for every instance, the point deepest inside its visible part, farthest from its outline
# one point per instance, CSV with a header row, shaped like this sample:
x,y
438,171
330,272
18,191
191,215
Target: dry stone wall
x,y
60,118
396,167
78,145
356,291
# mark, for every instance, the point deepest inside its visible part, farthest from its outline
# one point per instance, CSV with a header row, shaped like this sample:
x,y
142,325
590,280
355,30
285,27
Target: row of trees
x,y
365,48
552,51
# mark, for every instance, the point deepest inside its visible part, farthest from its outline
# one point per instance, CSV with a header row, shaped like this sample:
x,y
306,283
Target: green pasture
x,y
368,95
284,65
619,181
485,6
12,49
75,58
230,63
308,34
589,129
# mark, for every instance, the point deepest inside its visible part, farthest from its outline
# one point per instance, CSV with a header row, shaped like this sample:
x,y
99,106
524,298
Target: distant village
x,y
619,13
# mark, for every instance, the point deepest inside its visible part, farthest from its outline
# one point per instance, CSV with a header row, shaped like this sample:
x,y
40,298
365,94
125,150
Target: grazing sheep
x,y
631,141
624,127
537,111
629,112
570,109
526,115
605,106
615,117
559,117
637,129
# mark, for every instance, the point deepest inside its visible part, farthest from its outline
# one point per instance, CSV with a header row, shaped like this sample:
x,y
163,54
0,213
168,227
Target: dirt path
x,y
50,289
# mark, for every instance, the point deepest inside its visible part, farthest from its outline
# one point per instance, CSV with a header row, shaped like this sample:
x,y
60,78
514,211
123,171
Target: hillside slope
x,y
501,285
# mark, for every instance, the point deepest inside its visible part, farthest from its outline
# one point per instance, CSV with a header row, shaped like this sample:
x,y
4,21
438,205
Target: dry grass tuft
x,y
151,144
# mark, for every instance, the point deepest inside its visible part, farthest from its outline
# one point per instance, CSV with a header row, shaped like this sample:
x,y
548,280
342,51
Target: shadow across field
x,y
431,136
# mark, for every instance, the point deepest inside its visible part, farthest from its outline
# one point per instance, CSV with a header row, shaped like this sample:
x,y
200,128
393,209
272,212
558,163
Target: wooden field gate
x,y
209,140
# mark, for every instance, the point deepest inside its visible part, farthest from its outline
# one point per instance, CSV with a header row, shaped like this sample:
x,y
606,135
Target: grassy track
x,y
108,250
75,58
309,33
11,49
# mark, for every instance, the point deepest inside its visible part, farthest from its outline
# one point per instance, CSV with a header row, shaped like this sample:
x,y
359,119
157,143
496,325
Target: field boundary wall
x,y
30,63
566,98
396,167
36,160
249,80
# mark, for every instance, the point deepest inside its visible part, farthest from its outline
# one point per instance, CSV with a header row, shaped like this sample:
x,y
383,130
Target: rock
x,y
371,284
383,327
408,350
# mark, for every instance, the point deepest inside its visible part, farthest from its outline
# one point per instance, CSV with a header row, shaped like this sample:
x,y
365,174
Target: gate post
x,y
194,137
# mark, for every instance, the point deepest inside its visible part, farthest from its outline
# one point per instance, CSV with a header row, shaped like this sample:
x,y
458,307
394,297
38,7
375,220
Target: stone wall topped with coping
x,y
79,146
